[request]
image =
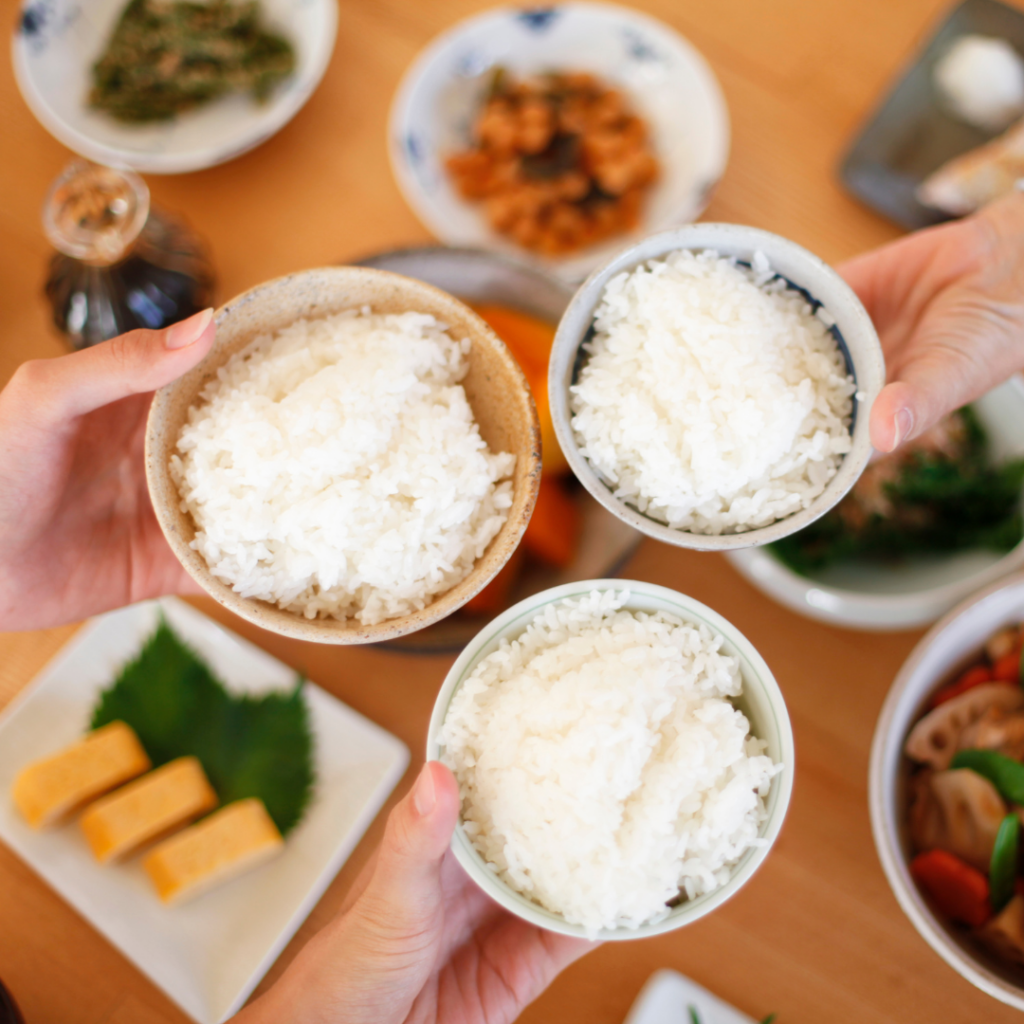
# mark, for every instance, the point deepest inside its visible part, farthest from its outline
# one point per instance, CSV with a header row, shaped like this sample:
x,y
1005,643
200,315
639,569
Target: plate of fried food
x,y
949,137
167,86
560,133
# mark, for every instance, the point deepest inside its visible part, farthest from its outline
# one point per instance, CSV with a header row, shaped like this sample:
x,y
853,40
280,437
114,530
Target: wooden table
x,y
817,934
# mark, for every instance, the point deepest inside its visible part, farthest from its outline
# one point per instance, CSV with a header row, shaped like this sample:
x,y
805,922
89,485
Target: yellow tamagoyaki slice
x,y
234,839
47,790
148,808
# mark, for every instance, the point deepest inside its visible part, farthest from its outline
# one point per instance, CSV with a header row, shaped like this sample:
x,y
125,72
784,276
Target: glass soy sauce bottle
x,y
119,264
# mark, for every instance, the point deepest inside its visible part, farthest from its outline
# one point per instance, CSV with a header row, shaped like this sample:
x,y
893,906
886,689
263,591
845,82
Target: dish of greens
x,y
940,494
165,58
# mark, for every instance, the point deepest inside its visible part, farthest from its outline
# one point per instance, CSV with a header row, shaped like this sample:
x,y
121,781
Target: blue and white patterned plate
x,y
667,80
56,42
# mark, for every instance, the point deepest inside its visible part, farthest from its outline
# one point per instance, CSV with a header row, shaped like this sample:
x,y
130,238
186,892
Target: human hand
x,y
422,943
948,304
78,534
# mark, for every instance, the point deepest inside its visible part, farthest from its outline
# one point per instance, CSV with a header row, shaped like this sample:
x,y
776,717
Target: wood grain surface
x,y
817,935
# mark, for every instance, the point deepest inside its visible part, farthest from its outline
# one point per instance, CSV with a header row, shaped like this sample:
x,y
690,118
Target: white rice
x,y
335,468
714,398
602,768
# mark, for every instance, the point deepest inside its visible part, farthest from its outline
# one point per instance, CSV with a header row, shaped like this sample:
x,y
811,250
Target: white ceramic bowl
x,y
948,645
911,593
667,80
57,42
801,268
761,702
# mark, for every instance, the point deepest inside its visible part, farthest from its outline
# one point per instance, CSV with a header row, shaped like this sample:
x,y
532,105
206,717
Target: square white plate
x,y
207,955
667,997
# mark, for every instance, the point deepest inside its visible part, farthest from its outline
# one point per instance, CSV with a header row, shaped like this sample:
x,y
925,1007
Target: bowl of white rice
x,y
711,386
356,457
624,758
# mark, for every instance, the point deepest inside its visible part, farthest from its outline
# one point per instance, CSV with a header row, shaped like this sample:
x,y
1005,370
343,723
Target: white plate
x,y
667,997
57,42
207,955
911,593
665,77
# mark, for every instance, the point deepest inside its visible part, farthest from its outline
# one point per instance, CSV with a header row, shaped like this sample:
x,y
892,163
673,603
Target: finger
x,y
405,896
892,419
512,963
130,364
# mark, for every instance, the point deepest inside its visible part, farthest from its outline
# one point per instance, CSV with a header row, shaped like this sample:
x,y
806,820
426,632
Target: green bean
x,y
1003,772
1002,873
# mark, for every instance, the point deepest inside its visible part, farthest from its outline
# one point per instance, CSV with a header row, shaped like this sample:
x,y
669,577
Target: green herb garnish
x,y
1003,772
248,746
166,57
1002,872
937,501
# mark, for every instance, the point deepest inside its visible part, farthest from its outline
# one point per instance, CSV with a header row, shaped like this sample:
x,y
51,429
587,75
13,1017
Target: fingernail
x,y
903,421
188,331
423,796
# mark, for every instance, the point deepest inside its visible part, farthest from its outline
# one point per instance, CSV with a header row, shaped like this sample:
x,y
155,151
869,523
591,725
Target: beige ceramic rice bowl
x,y
494,386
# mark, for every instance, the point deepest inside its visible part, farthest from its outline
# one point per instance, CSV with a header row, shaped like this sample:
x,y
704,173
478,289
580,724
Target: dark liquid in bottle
x,y
164,278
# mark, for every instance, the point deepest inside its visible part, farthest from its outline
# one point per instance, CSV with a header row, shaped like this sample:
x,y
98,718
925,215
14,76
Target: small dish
x,y
948,644
207,955
476,275
57,42
911,133
911,593
668,81
495,387
667,997
853,330
761,702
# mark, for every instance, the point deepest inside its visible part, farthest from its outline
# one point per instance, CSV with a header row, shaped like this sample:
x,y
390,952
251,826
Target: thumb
x,y
404,899
130,364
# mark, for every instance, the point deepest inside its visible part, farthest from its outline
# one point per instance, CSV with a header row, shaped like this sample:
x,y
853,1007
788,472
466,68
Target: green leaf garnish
x,y
769,1018
248,746
1002,872
694,1015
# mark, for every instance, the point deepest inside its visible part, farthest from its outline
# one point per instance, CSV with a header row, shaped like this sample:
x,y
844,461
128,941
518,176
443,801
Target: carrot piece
x,y
959,891
529,338
553,533
1007,668
553,461
495,596
971,678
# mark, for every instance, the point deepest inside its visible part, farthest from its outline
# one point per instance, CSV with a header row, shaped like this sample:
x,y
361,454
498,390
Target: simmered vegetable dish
x,y
966,797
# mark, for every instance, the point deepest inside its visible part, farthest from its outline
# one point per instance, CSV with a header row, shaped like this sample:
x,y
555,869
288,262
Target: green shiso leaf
x,y
248,746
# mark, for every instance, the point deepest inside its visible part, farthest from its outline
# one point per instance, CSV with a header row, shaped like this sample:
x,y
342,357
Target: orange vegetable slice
x,y
554,530
960,891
